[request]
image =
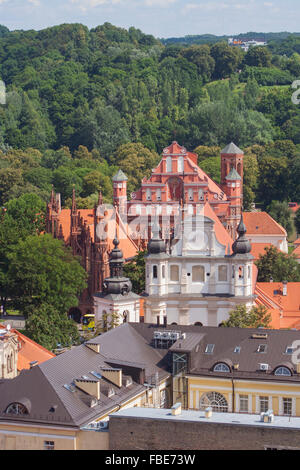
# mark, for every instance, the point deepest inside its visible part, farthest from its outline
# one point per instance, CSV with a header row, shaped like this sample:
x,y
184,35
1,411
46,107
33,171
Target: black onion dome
x,y
156,245
242,245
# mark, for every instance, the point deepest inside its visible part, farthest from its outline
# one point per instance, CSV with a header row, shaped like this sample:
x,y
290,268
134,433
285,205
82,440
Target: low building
x,y
29,353
263,230
156,429
282,299
65,402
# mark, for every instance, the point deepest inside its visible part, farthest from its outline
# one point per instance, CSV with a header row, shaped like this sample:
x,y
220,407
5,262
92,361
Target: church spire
x,y
242,245
74,206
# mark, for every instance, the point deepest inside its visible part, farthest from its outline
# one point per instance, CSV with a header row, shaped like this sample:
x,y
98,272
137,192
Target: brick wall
x,y
153,434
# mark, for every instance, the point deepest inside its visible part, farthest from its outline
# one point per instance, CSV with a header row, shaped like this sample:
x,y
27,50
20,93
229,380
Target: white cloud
x,y
158,3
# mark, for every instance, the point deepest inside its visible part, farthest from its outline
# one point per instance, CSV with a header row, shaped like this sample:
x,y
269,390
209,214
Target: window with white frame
x,y
244,402
209,348
214,399
158,194
174,273
198,273
49,445
169,164
191,195
180,164
222,273
221,367
263,404
287,406
148,194
283,371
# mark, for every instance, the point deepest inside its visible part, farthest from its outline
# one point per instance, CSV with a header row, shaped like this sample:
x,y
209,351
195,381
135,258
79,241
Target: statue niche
x,y
175,188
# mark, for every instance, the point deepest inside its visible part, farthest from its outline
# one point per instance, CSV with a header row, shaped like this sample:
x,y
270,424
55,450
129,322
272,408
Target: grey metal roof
x,y
120,176
241,419
232,149
233,175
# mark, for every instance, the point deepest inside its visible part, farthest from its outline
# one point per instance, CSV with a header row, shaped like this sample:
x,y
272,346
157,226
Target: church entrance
x,y
75,314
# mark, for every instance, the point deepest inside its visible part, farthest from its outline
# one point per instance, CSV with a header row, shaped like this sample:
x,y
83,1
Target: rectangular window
x,y
163,271
209,348
244,403
262,348
222,273
48,445
198,274
174,273
263,404
287,406
154,272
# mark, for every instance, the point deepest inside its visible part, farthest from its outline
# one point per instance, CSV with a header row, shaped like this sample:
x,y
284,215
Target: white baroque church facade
x,y
198,280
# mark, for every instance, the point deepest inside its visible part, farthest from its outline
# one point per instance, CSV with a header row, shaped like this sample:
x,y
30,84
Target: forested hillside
x,y
81,103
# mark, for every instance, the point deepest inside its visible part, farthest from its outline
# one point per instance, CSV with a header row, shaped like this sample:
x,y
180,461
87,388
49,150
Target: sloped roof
x,y
231,149
127,245
120,176
259,249
261,223
30,351
222,235
233,175
296,252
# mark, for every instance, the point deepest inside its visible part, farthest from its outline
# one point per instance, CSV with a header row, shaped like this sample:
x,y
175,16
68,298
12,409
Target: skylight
x,y
262,348
209,348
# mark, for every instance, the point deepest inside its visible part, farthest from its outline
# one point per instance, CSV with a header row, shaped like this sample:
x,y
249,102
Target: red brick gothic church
x,y
176,180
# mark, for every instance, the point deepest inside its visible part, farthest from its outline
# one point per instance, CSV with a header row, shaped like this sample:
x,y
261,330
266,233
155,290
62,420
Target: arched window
x,y
158,194
222,273
169,164
174,273
191,195
198,274
214,399
221,367
154,272
180,165
16,409
198,323
201,195
282,370
148,194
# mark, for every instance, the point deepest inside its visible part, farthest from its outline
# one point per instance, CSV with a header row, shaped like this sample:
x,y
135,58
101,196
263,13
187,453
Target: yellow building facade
x,y
244,396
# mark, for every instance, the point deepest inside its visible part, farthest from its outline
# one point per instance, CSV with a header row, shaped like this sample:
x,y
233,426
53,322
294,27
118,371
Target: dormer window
x,y
262,348
209,349
221,367
289,350
282,370
16,409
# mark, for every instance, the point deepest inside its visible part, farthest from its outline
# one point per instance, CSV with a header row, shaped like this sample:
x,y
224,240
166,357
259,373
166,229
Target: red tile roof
x,y
285,310
30,351
261,223
259,249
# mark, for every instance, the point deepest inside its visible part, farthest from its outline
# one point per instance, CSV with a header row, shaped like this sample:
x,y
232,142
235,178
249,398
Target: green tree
x,y
50,328
42,270
258,57
135,271
277,266
243,317
281,212
297,221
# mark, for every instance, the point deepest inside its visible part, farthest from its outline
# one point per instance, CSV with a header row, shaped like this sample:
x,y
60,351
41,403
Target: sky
x,y
161,18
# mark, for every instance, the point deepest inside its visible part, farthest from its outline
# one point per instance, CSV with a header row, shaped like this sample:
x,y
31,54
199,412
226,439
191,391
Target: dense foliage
x,y
81,103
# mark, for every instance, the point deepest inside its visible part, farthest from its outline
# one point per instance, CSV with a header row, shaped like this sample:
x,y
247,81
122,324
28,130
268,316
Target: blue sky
x,y
162,18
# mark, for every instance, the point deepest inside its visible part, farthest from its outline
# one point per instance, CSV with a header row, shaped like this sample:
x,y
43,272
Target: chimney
x,y
91,387
113,375
284,288
176,409
33,363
